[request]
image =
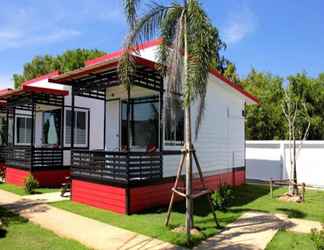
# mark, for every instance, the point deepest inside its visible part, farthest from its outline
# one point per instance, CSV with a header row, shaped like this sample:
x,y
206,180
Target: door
x,y
113,125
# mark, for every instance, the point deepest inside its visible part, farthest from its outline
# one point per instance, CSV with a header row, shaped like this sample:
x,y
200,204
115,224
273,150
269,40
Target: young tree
x,y
295,110
195,45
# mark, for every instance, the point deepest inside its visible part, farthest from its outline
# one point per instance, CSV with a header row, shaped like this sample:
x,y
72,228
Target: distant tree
x,y
230,72
265,121
312,91
295,111
69,60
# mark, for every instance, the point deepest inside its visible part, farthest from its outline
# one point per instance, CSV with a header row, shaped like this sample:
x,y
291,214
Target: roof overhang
x,y
94,69
248,97
26,89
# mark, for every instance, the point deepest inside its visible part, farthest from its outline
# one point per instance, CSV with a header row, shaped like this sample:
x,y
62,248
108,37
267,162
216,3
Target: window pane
x,y
174,120
143,124
20,130
24,125
3,131
68,124
28,130
80,130
51,127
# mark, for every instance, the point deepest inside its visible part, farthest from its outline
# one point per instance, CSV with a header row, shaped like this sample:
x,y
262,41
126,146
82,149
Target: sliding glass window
x,y
143,129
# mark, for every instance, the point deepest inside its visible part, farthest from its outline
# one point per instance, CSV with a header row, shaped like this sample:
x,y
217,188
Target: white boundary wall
x,y
270,159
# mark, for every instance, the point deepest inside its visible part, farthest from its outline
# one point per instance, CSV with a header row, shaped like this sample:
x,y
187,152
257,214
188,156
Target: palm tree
x,y
195,44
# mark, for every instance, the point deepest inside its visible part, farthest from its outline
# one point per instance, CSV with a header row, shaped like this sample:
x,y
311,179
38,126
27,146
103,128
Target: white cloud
x,y
46,22
240,23
21,38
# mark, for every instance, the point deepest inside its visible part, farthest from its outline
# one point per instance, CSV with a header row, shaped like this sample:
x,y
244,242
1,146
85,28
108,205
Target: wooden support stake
x,y
205,187
303,191
270,184
174,187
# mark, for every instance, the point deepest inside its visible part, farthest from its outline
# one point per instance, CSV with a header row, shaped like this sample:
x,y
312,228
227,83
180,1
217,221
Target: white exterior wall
x,y
220,143
271,159
221,140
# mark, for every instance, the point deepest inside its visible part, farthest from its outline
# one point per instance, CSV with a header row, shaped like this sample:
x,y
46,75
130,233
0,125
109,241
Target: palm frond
x,y
130,8
202,47
145,28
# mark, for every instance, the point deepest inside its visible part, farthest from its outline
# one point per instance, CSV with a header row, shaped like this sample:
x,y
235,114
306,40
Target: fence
x,y
271,159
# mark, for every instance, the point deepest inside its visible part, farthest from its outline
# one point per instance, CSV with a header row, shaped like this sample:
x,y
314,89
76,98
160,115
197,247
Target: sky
x,y
282,37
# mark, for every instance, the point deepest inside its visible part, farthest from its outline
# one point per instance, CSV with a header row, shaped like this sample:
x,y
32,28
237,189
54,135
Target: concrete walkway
x,y
254,231
47,197
91,233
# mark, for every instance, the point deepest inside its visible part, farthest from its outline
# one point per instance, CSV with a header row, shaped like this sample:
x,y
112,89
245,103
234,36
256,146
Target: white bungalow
x,y
125,146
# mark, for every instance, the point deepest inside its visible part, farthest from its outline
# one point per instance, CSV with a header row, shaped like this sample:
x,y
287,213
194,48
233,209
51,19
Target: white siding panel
x,y
220,144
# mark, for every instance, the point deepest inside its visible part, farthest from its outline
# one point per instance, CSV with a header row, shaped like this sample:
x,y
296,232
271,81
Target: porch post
x,y
62,131
161,125
104,127
127,117
32,133
73,119
7,124
13,125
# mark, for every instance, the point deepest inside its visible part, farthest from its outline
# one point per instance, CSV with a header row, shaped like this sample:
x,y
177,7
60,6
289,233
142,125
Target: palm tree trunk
x,y
188,142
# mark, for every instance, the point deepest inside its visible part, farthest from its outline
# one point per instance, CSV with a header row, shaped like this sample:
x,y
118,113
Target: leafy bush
x,y
2,174
317,237
30,184
223,198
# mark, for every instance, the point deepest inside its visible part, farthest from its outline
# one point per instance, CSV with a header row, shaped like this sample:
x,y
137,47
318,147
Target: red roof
x,y
118,53
157,42
43,77
34,90
5,91
97,67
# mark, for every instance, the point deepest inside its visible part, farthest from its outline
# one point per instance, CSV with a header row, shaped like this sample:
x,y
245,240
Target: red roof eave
x,y
34,90
42,77
118,53
235,86
40,90
99,66
157,42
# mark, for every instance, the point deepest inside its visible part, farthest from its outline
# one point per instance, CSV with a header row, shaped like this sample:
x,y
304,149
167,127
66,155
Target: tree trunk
x,y
188,141
295,187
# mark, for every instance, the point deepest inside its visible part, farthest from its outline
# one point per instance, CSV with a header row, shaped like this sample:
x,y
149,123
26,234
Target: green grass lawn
x,y
21,234
293,241
20,190
151,223
256,197
248,198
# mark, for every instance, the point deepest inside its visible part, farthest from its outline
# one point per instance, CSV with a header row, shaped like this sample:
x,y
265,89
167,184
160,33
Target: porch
x,y
132,150
119,168
34,135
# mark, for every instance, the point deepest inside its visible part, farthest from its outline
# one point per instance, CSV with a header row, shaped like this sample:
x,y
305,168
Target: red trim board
x,y
136,199
46,178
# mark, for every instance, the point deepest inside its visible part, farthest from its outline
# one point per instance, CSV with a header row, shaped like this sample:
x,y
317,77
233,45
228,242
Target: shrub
x,y
2,174
317,237
223,198
30,184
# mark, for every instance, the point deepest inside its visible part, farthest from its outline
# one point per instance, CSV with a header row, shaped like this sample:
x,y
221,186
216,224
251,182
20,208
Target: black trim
x,y
39,169
148,182
239,169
